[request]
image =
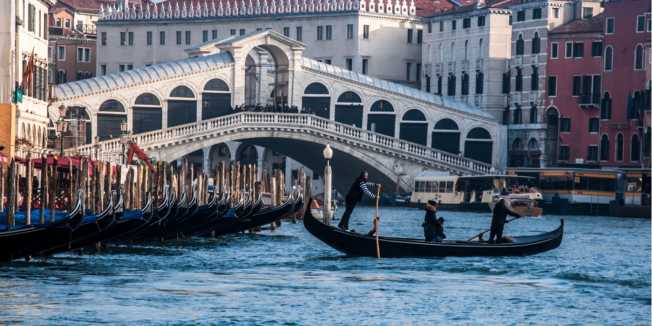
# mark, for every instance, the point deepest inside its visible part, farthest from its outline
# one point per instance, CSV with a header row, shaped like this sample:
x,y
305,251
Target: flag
x,y
27,72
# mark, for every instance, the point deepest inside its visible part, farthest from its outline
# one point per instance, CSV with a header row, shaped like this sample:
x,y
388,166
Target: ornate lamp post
x,y
328,184
124,130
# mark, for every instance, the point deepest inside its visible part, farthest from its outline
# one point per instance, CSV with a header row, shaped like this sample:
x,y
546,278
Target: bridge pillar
x,y
260,151
206,160
164,114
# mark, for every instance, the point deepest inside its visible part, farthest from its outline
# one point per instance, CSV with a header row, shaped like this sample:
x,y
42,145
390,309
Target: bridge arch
x,y
446,136
146,113
215,99
381,118
304,148
414,127
349,108
181,106
111,114
317,99
479,145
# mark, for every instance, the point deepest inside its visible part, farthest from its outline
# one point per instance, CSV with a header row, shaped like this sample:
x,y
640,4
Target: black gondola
x,y
90,228
355,244
29,239
260,217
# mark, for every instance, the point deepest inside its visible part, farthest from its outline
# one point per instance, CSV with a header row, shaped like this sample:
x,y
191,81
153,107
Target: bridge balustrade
x,y
298,122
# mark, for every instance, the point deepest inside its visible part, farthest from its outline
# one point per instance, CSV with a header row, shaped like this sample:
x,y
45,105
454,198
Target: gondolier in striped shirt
x,y
358,189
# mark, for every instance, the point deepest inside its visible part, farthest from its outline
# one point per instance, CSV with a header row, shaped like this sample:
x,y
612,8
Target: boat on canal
x,y
356,244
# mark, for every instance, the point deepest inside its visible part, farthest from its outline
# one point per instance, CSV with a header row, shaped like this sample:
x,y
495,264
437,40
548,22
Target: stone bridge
x,y
175,108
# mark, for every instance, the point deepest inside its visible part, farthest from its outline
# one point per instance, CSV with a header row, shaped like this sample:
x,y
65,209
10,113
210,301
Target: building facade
x,y
72,43
574,90
465,53
349,34
599,87
24,36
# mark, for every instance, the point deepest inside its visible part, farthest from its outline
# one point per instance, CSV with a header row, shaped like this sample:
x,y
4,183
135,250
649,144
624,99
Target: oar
x,y
485,231
377,221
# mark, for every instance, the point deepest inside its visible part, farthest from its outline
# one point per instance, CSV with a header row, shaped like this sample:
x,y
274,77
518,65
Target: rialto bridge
x,y
177,108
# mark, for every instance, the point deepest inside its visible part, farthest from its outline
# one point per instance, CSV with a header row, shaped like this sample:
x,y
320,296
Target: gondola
x,y
23,241
155,226
259,218
218,206
355,244
90,228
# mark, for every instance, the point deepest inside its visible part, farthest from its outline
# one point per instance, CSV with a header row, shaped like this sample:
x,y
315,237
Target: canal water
x,y
599,275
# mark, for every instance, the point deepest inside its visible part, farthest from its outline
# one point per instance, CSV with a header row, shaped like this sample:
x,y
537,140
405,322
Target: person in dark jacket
x,y
501,210
430,220
359,187
439,230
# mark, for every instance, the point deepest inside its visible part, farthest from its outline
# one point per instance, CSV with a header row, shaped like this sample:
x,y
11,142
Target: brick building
x,y
598,90
72,43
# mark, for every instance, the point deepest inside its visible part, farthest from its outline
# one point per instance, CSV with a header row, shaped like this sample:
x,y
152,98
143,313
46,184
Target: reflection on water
x,y
600,274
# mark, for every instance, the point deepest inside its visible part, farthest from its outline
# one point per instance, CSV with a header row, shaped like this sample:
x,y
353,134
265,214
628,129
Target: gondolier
x,y
359,187
501,210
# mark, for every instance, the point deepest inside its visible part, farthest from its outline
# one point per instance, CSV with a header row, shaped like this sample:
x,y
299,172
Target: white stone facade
x,y
23,31
481,47
353,34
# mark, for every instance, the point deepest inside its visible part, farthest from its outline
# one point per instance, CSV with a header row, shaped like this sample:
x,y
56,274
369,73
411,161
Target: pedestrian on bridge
x,y
359,187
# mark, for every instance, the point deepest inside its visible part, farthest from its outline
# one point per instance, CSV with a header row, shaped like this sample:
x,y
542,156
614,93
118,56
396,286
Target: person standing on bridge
x,y
359,187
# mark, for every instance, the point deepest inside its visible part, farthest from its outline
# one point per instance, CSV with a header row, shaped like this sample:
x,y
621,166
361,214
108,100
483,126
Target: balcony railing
x,y
590,99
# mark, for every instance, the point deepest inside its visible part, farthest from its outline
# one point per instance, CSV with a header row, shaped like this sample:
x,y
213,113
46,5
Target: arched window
x,y
465,83
604,148
381,118
638,57
446,136
517,115
451,85
317,100
348,109
533,145
516,144
536,43
414,127
534,78
605,107
182,106
620,147
635,151
519,79
147,114
112,114
216,99
466,50
608,58
520,45
534,114
478,145
479,82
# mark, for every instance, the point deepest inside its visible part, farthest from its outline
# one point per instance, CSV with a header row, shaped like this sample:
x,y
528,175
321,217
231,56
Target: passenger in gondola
x,y
501,210
358,189
430,220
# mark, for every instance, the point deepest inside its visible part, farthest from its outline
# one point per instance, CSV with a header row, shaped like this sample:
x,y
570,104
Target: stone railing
x,y
112,150
241,8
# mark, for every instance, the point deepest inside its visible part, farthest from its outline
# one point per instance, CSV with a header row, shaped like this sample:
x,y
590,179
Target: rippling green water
x,y
599,275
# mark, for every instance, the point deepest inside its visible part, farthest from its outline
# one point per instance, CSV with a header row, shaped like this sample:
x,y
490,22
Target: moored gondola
x,y
26,240
259,218
355,244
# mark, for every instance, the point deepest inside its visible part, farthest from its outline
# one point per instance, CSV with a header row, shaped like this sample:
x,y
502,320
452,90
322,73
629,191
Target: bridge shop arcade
x,y
234,90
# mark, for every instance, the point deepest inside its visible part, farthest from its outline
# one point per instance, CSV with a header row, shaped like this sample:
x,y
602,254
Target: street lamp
x,y
124,130
61,126
328,184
